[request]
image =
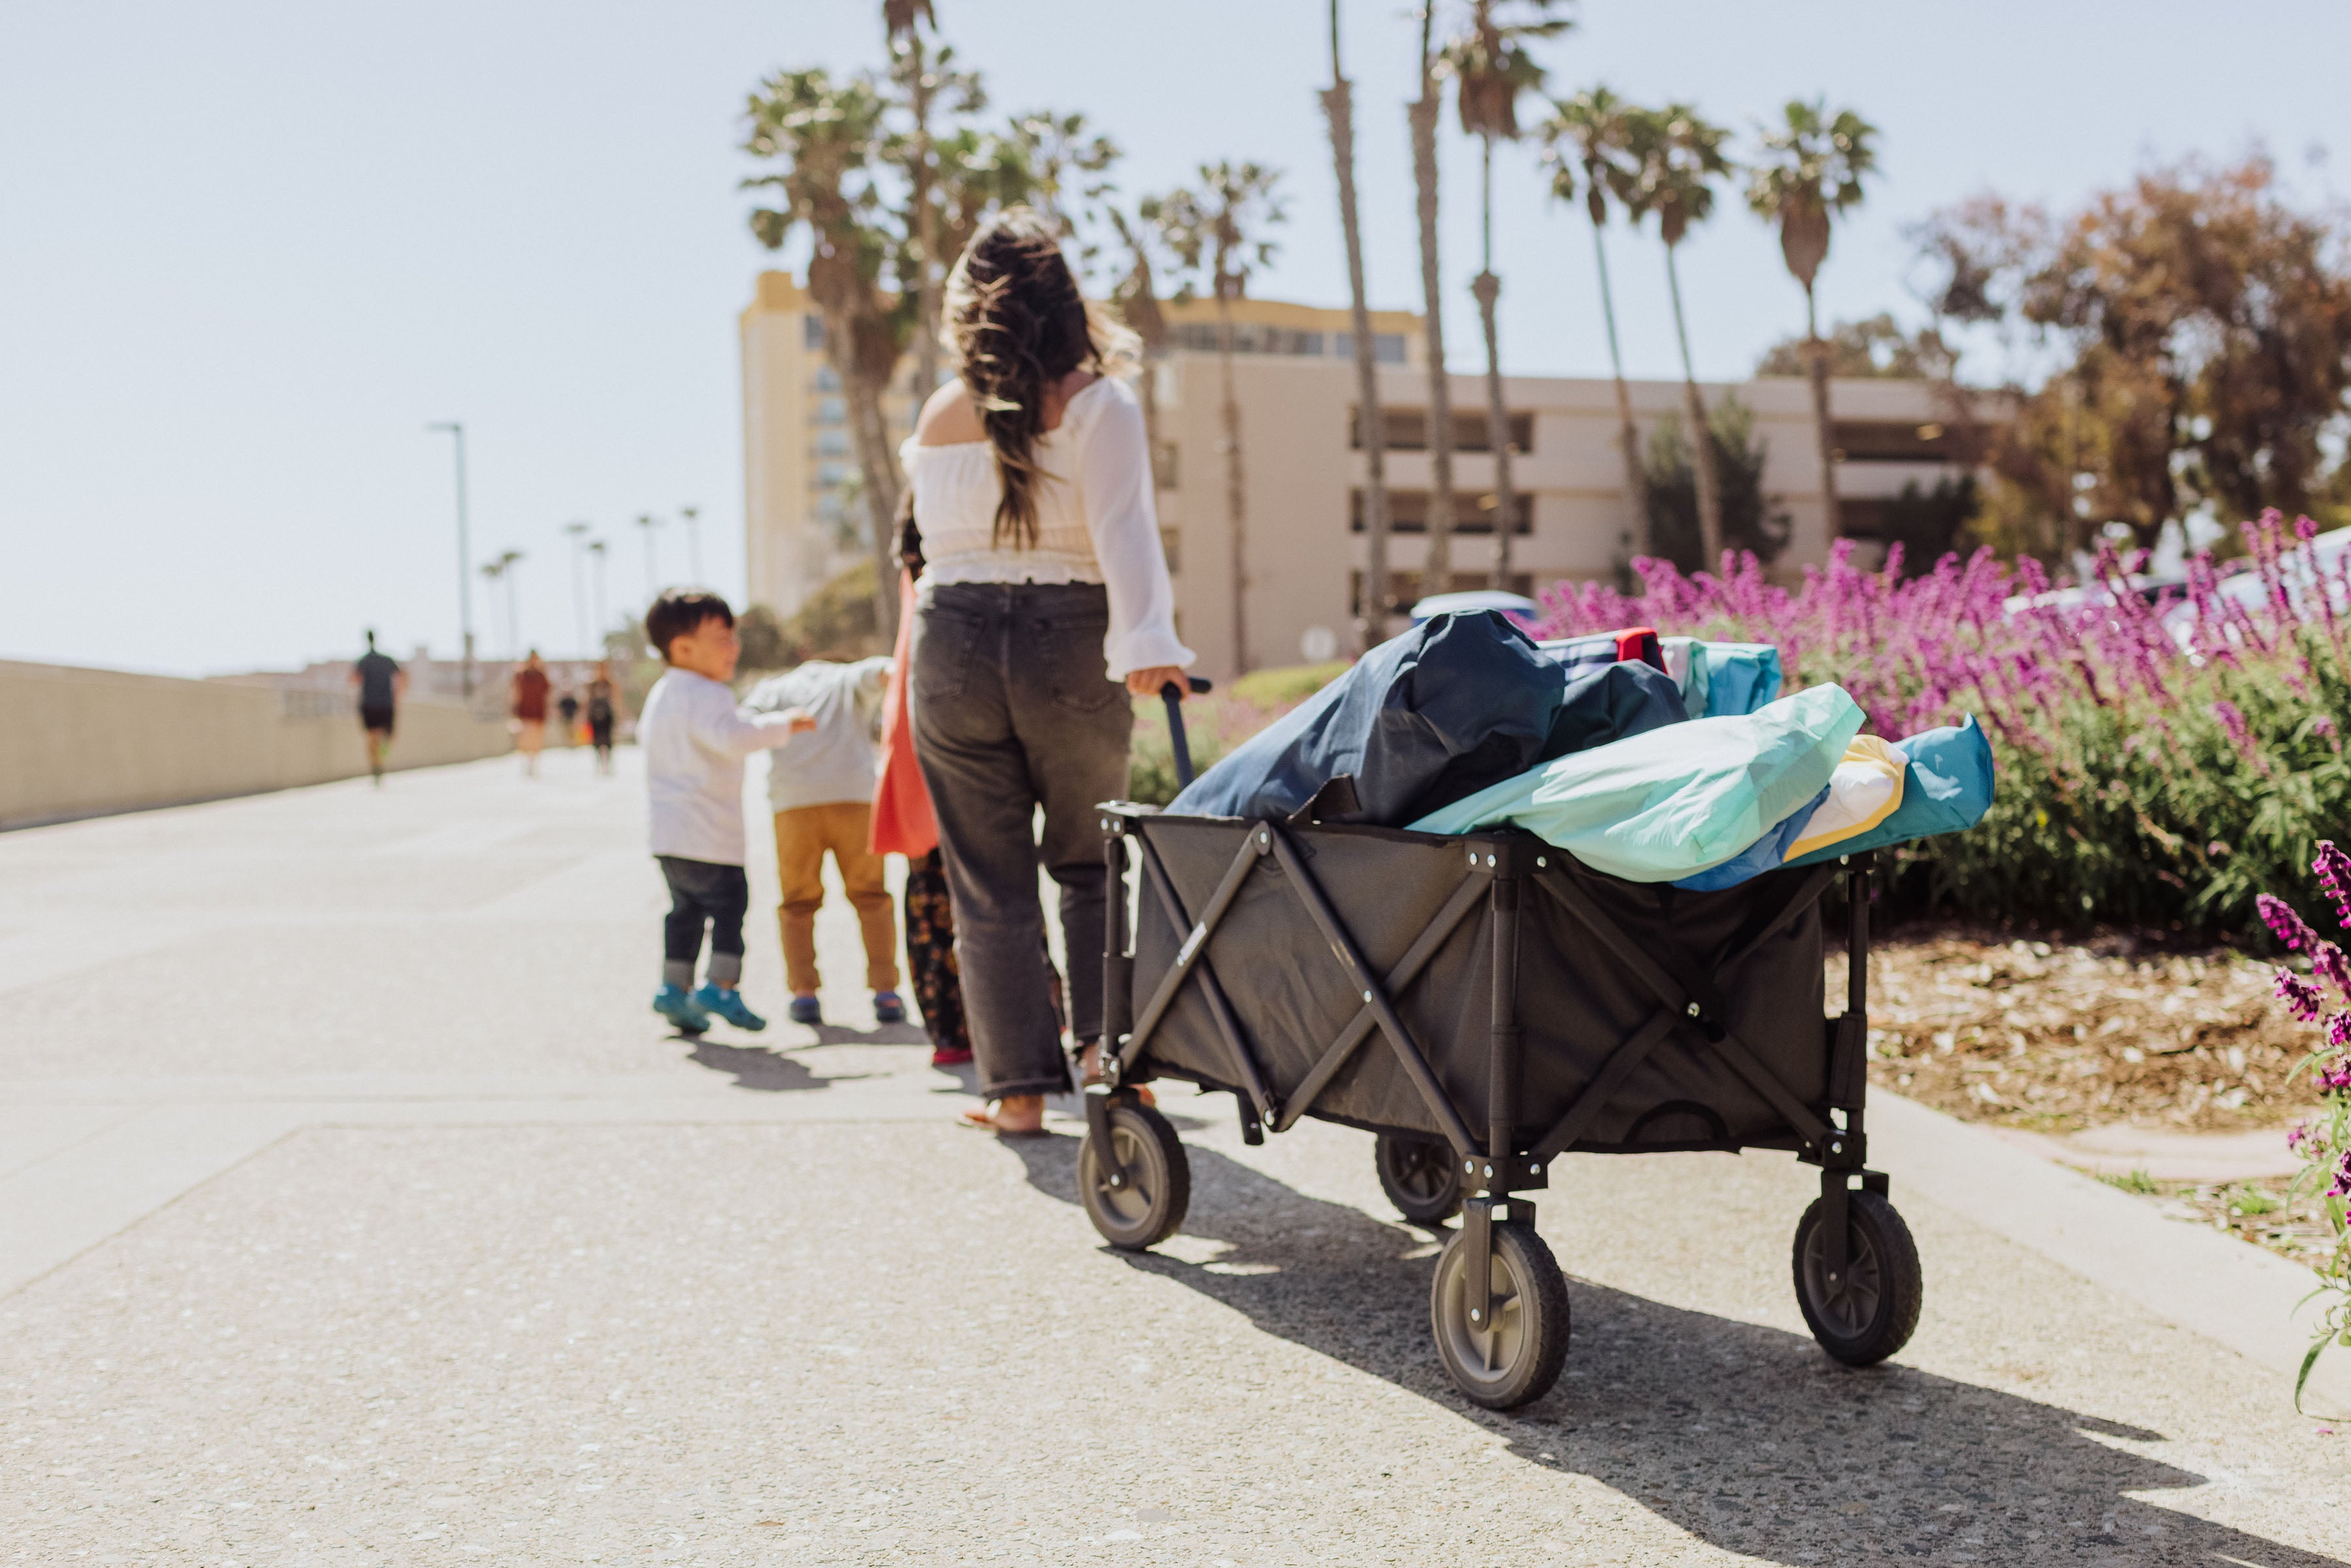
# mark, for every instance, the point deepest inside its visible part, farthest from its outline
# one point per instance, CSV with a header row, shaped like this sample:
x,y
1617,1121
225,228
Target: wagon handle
x,y
1172,696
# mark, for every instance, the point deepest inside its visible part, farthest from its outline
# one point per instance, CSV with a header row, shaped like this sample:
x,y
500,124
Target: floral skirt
x,y
931,956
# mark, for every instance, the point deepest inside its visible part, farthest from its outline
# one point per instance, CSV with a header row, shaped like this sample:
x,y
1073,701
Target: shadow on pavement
x,y
757,1066
1747,1438
907,1033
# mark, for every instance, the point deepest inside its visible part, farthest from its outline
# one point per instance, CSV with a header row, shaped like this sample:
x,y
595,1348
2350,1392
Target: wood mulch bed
x,y
2055,1036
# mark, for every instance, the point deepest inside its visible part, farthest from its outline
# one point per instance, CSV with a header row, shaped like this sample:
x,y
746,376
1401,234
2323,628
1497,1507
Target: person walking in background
x,y
904,824
603,712
694,740
527,706
569,706
382,681
822,795
1046,588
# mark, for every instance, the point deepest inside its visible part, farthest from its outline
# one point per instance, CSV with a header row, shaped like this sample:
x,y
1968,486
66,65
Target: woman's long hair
x,y
1018,325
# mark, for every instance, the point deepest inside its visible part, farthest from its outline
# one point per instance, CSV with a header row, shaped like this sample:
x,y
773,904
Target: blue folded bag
x,y
1946,789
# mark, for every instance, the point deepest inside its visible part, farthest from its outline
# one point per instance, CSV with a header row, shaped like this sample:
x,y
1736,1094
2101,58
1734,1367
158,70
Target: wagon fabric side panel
x,y
1576,1001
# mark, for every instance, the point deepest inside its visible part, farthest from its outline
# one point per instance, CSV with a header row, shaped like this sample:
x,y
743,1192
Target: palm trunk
x,y
1233,514
1437,576
1339,106
868,429
1637,494
926,241
1817,364
1488,291
1709,487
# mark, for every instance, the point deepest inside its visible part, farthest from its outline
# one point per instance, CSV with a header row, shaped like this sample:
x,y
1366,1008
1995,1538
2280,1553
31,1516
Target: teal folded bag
x,y
1720,678
1947,787
1676,801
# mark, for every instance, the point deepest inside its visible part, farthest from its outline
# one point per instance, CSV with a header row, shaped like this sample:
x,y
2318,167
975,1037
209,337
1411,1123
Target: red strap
x,y
1639,645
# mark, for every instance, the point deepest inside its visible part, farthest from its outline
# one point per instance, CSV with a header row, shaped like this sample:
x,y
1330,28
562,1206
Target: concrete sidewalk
x,y
353,1210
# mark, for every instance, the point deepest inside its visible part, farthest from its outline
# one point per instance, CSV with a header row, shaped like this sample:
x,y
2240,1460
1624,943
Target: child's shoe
x,y
888,1007
673,1004
950,1055
729,1006
805,1010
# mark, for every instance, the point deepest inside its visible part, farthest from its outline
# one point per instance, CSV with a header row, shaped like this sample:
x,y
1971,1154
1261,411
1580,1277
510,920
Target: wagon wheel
x,y
1869,1314
1419,1175
1142,1204
1514,1360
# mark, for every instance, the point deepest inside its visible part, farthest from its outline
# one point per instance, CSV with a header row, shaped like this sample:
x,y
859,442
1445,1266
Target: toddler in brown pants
x,y
822,795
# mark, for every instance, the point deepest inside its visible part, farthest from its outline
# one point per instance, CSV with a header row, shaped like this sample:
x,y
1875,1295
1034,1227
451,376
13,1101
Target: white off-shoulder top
x,y
1096,521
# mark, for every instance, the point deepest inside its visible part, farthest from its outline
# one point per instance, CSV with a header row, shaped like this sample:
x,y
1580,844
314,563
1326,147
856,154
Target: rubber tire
x,y
1883,1266
1419,1175
1148,1210
1525,1267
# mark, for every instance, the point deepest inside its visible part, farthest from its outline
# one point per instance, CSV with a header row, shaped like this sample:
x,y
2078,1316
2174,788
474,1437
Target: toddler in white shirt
x,y
695,739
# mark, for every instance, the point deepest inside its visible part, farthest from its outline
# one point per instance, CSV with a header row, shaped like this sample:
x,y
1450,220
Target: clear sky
x,y
249,249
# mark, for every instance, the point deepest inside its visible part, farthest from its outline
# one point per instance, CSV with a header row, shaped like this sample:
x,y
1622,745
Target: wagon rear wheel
x,y
1420,1177
1514,1359
1140,1202
1869,1314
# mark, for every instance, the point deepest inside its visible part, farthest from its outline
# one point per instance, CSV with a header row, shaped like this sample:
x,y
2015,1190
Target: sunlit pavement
x,y
354,1208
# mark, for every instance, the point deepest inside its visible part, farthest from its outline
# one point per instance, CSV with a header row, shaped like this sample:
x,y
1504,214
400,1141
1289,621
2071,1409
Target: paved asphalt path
x,y
357,1211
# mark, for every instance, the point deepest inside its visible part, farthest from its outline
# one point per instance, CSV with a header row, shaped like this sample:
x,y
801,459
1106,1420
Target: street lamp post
x,y
465,555
596,552
648,522
579,532
492,569
693,540
507,561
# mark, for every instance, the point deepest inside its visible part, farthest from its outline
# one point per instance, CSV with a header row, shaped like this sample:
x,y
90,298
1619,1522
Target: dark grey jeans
x,y
1013,708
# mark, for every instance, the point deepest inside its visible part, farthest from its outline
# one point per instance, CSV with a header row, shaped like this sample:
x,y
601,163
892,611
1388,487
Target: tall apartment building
x,y
1294,378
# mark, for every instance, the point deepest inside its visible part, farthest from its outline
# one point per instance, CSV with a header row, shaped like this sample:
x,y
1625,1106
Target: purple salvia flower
x,y
2282,920
2333,869
2297,1136
2338,1030
2327,962
2334,1076
2232,720
2304,529
2301,997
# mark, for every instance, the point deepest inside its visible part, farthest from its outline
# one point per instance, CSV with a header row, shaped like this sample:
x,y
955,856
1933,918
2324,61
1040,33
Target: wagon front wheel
x,y
1138,1199
1868,1313
1420,1177
1514,1358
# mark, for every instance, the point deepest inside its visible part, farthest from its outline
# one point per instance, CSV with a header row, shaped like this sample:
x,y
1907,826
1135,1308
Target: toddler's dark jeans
x,y
1014,709
703,892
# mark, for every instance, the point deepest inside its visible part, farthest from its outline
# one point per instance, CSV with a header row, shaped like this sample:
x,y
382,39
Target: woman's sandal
x,y
986,1120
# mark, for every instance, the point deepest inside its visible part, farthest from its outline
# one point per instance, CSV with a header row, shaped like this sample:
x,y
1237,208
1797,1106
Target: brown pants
x,y
802,836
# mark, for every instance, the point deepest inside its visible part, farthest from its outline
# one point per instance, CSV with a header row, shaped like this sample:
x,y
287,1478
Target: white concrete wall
x,y
77,742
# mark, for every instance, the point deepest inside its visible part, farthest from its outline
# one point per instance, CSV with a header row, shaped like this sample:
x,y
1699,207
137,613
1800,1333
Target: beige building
x,y
1295,381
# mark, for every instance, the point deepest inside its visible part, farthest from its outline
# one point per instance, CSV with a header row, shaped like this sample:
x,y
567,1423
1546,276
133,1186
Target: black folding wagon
x,y
1484,1004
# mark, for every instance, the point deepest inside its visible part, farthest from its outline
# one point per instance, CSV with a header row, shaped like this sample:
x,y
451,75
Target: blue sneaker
x,y
729,1006
806,1010
888,1007
673,1004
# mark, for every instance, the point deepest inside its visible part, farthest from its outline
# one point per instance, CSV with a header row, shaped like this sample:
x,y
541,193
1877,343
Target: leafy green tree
x,y
1752,520
1810,172
921,74
2203,334
1338,110
1874,347
1492,68
1676,159
1068,168
1221,223
1590,135
820,136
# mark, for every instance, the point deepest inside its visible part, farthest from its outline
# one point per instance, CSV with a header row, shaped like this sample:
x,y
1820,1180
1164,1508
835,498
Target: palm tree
x,y
1068,168
823,135
1490,63
1590,132
1676,157
1223,223
1812,170
1136,295
1436,574
1338,106
919,80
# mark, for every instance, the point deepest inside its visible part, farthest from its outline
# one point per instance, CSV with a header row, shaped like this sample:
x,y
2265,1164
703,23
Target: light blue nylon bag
x,y
1674,801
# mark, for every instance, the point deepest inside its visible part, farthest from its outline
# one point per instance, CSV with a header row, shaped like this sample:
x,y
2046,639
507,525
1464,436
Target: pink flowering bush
x,y
2159,764
2323,1141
